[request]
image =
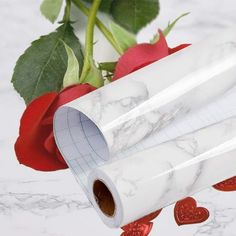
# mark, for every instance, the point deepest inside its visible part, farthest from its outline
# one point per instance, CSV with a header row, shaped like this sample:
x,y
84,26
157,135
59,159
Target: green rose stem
x,y
100,25
66,17
88,55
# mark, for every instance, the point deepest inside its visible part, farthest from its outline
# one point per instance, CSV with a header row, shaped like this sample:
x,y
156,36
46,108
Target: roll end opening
x,y
104,198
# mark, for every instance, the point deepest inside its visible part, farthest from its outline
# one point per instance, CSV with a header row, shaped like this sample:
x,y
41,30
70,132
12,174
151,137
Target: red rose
x,y
35,146
142,55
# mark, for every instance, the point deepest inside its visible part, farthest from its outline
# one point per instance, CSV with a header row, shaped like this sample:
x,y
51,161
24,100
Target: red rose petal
x,y
187,212
51,147
60,157
178,48
35,112
73,92
29,146
227,185
50,144
139,56
69,94
47,120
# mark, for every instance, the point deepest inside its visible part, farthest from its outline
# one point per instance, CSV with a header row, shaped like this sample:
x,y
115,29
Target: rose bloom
x,y
35,146
142,55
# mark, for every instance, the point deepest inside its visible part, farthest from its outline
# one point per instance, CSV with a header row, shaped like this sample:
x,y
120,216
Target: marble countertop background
x,y
52,204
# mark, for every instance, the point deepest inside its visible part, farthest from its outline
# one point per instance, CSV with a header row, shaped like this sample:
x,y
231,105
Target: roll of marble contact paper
x,y
150,106
128,189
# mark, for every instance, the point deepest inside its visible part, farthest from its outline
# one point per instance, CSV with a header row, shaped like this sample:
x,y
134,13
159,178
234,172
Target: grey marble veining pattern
x,y
38,203
217,226
22,23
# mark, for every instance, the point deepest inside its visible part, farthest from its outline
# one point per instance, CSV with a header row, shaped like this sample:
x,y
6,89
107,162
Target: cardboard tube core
x,y
104,198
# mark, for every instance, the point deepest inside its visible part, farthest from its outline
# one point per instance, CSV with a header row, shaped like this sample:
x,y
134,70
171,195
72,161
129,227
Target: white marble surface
x,y
52,204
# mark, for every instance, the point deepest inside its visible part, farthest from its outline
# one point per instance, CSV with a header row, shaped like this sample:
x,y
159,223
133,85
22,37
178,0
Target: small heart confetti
x,y
187,212
227,185
137,229
141,227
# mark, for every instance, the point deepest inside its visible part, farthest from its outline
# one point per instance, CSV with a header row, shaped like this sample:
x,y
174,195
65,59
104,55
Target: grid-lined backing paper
x,y
84,148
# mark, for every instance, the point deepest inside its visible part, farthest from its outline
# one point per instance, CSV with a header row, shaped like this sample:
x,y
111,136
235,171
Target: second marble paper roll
x,y
131,188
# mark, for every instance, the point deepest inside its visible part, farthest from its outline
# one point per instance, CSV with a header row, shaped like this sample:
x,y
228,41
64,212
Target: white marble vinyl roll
x,y
128,110
180,94
155,178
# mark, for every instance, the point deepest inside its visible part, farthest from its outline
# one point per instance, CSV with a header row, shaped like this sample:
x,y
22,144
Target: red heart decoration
x,y
137,229
187,212
141,227
227,185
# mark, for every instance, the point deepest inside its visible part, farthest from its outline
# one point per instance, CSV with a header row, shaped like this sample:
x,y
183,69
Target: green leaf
x,y
105,5
94,76
72,72
134,14
51,9
123,38
108,66
169,27
42,67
